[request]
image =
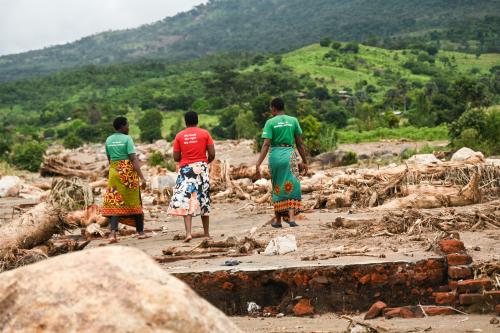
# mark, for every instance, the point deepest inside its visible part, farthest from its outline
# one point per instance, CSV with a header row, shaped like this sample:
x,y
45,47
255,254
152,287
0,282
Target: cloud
x,y
34,24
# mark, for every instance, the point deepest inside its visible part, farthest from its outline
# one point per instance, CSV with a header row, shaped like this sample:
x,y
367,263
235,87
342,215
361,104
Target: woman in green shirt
x,y
282,133
123,196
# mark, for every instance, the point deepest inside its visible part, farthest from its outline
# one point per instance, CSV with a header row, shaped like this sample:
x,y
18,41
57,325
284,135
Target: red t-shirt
x,y
192,144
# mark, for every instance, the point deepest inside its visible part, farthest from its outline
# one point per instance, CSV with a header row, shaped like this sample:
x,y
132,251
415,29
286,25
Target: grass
x,y
409,133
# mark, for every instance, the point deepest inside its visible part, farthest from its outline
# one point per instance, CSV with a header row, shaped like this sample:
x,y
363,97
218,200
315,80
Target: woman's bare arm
x,y
302,151
263,154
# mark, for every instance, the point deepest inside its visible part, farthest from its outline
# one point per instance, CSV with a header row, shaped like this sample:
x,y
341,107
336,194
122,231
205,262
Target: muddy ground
x,y
360,242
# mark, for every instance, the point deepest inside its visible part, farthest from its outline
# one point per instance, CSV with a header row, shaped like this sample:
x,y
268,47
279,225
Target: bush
x,y
156,159
72,141
351,47
350,158
28,156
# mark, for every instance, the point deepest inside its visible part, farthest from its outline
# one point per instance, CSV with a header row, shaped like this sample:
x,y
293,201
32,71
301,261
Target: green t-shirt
x,y
282,130
119,146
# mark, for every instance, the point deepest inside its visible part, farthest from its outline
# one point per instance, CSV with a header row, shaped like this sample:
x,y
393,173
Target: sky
x,y
33,24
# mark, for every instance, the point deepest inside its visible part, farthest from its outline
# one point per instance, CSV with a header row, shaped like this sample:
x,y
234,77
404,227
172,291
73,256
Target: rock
x,y
303,308
423,159
252,307
281,245
162,182
375,310
493,161
467,155
10,186
112,289
263,182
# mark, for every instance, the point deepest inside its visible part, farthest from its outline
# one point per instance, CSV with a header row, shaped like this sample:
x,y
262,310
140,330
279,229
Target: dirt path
x,y
333,324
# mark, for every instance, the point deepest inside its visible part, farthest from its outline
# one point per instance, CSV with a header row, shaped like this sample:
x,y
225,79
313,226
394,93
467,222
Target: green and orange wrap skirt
x,y
123,195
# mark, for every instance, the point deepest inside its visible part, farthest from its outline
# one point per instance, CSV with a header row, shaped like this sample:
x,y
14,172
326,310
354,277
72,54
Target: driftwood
x,y
37,225
66,167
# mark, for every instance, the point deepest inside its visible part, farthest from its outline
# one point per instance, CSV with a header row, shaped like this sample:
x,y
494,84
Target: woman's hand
x,y
257,172
143,184
305,168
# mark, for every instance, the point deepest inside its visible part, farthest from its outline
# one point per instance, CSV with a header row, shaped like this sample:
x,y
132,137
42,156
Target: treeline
x,y
419,87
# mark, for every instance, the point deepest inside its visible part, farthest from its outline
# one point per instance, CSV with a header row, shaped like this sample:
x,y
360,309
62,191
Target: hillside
x,y
267,26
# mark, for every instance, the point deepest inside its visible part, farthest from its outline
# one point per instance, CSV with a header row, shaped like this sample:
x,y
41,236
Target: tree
x,y
245,125
150,125
311,128
325,42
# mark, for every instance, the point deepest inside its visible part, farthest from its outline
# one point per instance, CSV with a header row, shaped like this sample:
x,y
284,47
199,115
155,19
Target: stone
x,y
424,159
111,289
472,286
375,310
448,246
303,307
455,259
459,272
467,155
10,186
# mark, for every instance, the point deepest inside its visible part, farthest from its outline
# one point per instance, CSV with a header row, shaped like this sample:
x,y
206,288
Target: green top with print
x,y
119,146
282,130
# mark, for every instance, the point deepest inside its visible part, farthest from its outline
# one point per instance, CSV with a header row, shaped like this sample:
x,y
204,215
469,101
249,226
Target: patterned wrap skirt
x,y
192,191
284,168
123,195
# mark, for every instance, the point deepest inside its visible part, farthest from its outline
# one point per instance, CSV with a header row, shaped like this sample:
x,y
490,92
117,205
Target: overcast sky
x,y
33,24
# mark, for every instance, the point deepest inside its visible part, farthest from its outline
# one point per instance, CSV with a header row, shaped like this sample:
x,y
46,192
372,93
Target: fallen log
x,y
37,225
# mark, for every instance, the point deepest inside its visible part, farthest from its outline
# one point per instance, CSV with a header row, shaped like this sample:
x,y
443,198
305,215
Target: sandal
x,y
276,225
292,224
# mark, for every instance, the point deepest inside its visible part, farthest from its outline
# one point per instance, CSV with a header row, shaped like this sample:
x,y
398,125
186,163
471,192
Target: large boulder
x,y
113,289
468,155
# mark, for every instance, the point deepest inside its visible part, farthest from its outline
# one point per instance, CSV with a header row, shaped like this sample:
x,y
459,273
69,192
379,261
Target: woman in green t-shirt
x,y
282,133
123,196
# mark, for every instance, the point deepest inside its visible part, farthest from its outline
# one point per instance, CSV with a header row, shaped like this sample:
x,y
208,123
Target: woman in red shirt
x,y
194,150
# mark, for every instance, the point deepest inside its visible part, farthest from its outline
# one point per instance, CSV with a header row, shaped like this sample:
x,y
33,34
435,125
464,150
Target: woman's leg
x,y
206,225
291,218
113,223
187,224
139,223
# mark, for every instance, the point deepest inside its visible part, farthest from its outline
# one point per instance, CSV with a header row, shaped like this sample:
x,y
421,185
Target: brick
x,y
455,259
459,272
453,285
473,286
451,246
379,278
468,299
227,286
449,298
493,296
497,309
303,308
438,311
403,312
375,310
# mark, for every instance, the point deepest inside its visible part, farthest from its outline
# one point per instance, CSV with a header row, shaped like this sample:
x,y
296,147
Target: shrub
x,y
72,141
28,156
350,158
156,159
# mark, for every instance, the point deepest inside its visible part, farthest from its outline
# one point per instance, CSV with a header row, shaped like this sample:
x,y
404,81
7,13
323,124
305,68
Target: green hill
x,y
274,26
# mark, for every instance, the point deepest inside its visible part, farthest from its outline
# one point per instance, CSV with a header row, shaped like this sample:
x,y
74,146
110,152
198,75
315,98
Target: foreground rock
x,y
113,289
